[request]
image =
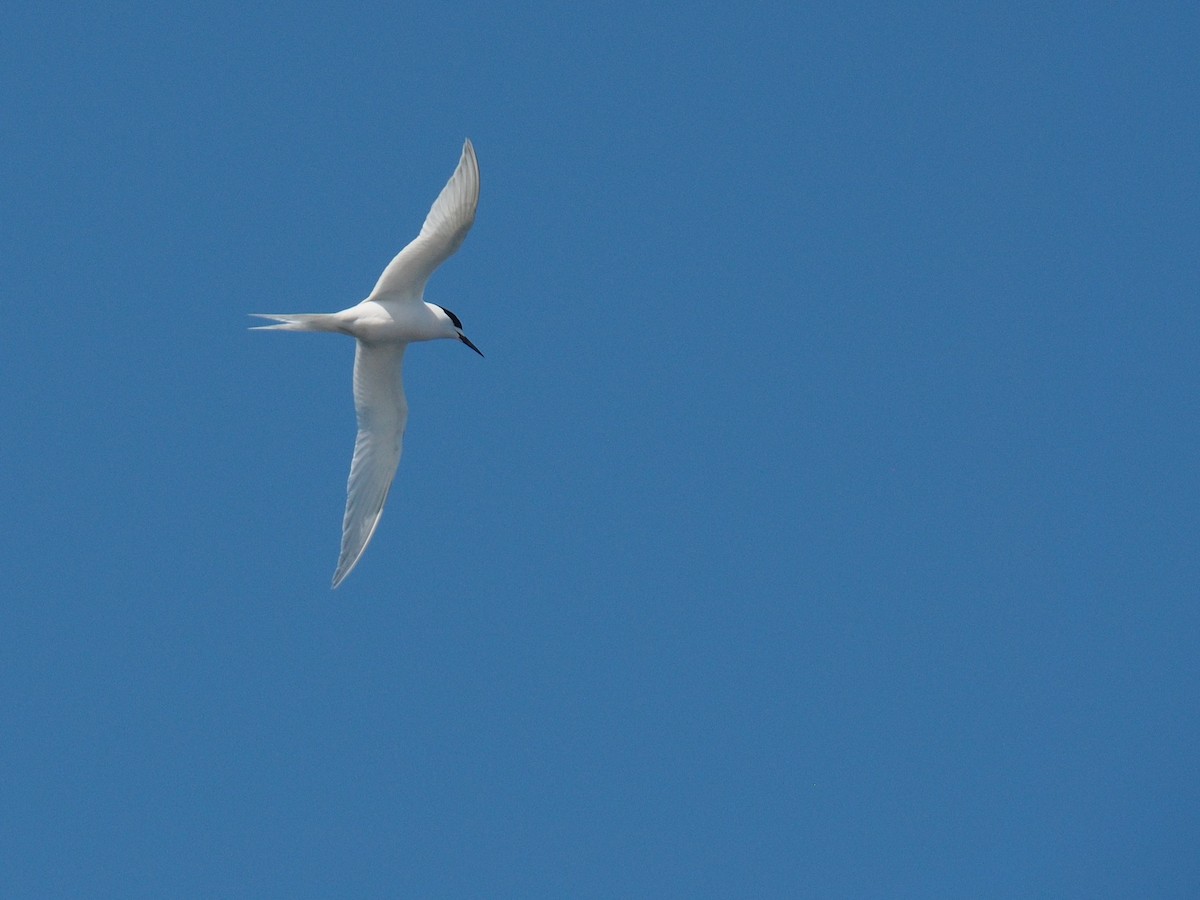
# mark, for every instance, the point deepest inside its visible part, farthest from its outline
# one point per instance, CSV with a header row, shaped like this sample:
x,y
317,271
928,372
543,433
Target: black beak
x,y
466,340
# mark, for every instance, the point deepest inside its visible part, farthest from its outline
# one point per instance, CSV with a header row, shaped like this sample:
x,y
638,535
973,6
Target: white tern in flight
x,y
394,315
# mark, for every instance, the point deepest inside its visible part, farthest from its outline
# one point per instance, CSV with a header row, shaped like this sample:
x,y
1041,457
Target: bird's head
x,y
456,324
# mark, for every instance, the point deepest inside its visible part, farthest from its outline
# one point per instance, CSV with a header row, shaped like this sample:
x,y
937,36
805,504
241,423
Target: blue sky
x,y
822,521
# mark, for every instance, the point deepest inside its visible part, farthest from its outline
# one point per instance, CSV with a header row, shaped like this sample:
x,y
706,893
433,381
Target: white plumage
x,y
394,315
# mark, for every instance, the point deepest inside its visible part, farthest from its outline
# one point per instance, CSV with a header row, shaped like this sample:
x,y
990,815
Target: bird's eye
x,y
453,318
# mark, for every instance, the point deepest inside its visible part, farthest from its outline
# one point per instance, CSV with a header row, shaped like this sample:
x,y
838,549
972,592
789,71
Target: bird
x,y
394,315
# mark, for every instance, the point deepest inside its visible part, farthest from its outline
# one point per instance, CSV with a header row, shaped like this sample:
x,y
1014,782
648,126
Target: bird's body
x,y
394,315
377,321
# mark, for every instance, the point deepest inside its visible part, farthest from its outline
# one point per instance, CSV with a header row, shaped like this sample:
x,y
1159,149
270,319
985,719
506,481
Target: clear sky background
x,y
821,523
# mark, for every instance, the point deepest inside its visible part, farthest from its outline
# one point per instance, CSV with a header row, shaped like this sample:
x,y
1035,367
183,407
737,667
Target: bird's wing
x,y
382,414
444,230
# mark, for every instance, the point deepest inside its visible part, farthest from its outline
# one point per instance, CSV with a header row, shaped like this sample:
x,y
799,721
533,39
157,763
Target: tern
x,y
392,316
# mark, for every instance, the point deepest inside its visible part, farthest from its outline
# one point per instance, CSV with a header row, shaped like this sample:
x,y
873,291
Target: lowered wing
x,y
382,414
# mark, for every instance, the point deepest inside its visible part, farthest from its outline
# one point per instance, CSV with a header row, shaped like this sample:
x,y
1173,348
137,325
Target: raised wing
x,y
445,228
382,415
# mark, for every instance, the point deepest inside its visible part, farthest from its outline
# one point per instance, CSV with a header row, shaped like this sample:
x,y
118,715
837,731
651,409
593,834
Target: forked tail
x,y
298,322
